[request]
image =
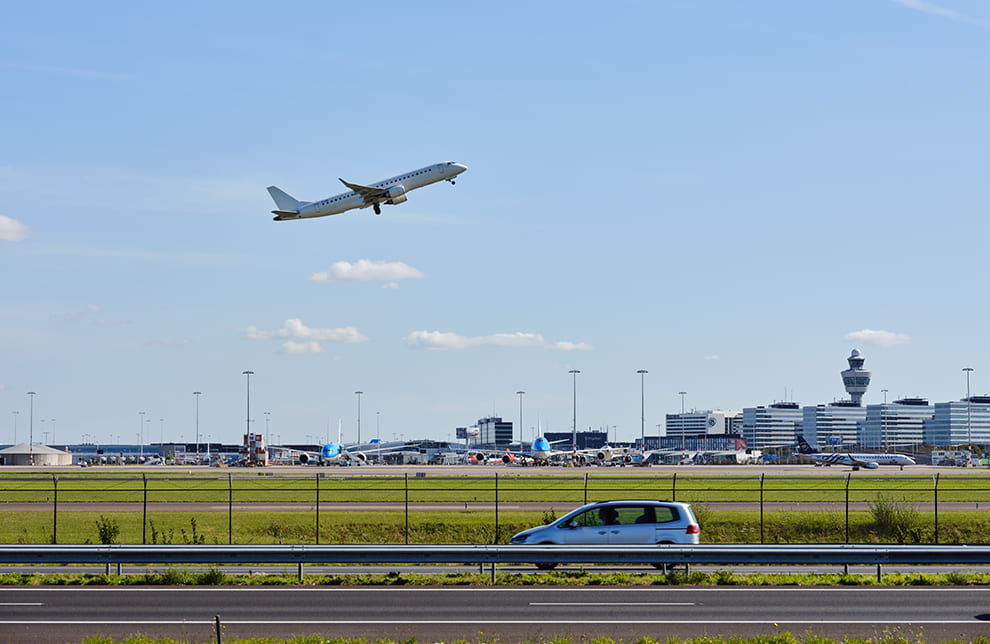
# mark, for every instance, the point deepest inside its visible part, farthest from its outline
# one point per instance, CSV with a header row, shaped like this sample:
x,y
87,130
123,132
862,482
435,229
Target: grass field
x,y
272,488
472,527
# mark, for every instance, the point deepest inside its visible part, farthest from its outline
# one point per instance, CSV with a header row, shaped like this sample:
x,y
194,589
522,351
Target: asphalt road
x,y
35,615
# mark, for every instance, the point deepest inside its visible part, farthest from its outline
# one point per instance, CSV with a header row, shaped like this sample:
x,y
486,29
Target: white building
x,y
896,425
699,424
958,422
775,425
835,424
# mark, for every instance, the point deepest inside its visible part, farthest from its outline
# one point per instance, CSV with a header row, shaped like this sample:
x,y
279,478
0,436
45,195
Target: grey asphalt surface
x,y
509,614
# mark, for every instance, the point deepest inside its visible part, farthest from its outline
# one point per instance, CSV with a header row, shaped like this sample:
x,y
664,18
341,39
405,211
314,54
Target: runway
x,y
508,614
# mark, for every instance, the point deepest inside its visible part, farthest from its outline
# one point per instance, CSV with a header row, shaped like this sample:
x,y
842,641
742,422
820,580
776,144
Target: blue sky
x,y
730,195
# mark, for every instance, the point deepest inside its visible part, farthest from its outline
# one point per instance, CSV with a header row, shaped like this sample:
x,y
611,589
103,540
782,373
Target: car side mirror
x,y
571,525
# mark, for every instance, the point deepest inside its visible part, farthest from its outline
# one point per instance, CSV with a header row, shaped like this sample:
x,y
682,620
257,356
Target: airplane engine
x,y
303,458
604,455
396,194
871,465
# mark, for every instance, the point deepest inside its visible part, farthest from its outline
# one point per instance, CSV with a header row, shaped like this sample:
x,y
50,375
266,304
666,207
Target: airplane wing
x,y
368,193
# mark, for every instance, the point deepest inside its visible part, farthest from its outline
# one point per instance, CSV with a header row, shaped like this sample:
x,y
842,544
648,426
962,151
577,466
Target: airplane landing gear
x,y
378,209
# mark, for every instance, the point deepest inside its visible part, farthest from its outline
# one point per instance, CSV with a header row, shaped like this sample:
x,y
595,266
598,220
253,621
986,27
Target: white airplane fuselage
x,y
388,191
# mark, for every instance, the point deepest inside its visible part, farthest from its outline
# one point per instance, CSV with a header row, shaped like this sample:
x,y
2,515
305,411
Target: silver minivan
x,y
632,522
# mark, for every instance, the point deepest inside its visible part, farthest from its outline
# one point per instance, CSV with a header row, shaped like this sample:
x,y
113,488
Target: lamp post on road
x,y
248,420
682,394
358,393
31,431
521,439
141,433
642,409
197,394
574,372
969,419
15,413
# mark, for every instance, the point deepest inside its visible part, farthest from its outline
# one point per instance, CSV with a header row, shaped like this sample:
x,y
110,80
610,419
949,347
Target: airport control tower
x,y
856,379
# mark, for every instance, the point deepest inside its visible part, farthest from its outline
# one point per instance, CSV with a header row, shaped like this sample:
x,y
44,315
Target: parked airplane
x,y
856,461
541,451
389,191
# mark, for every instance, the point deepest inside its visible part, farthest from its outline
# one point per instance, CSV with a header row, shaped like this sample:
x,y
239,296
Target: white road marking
x,y
613,604
21,604
499,622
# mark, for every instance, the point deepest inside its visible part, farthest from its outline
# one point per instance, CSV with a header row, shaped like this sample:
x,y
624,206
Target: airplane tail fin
x,y
803,446
285,202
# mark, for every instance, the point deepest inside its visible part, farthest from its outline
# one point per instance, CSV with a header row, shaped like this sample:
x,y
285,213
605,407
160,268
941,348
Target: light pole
x,y
642,409
359,416
969,420
883,420
197,394
31,431
141,432
161,430
521,439
682,394
15,413
247,423
574,372
268,418
378,428
53,430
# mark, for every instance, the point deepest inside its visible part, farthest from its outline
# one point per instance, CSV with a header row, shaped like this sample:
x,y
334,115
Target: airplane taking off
x,y
390,191
856,461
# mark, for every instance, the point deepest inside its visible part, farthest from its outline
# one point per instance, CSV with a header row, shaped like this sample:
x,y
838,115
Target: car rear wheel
x,y
546,565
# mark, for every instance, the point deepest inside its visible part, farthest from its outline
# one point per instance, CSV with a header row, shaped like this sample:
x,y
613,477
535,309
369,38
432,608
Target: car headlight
x,y
519,538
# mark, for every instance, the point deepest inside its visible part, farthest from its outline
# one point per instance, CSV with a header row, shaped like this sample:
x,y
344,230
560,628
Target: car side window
x,y
666,514
586,519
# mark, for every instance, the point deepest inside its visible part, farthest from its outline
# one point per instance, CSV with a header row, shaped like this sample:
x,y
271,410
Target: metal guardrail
x,y
495,554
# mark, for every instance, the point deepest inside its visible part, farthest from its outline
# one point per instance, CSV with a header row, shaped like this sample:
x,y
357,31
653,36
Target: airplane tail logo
x,y
803,446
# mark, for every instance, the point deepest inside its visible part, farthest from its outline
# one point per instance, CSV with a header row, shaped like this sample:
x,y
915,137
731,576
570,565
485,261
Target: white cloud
x,y
367,270
878,337
13,230
390,285
440,340
295,329
935,10
711,358
293,347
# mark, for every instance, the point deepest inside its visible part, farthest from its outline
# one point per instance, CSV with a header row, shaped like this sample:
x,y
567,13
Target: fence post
x,y
317,508
585,488
144,509
407,507
54,508
497,532
935,490
762,475
848,479
230,509
673,487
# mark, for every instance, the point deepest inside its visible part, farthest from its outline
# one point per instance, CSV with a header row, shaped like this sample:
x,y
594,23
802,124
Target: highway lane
x,y
510,614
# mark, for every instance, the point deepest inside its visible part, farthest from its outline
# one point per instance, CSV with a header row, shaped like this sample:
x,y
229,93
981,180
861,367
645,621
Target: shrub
x,y
899,521
107,529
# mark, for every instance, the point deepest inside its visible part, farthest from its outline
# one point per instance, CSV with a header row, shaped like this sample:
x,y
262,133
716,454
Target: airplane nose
x,y
458,167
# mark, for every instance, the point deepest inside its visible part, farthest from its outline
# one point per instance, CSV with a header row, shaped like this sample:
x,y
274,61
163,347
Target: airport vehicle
x,y
389,191
856,461
632,522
